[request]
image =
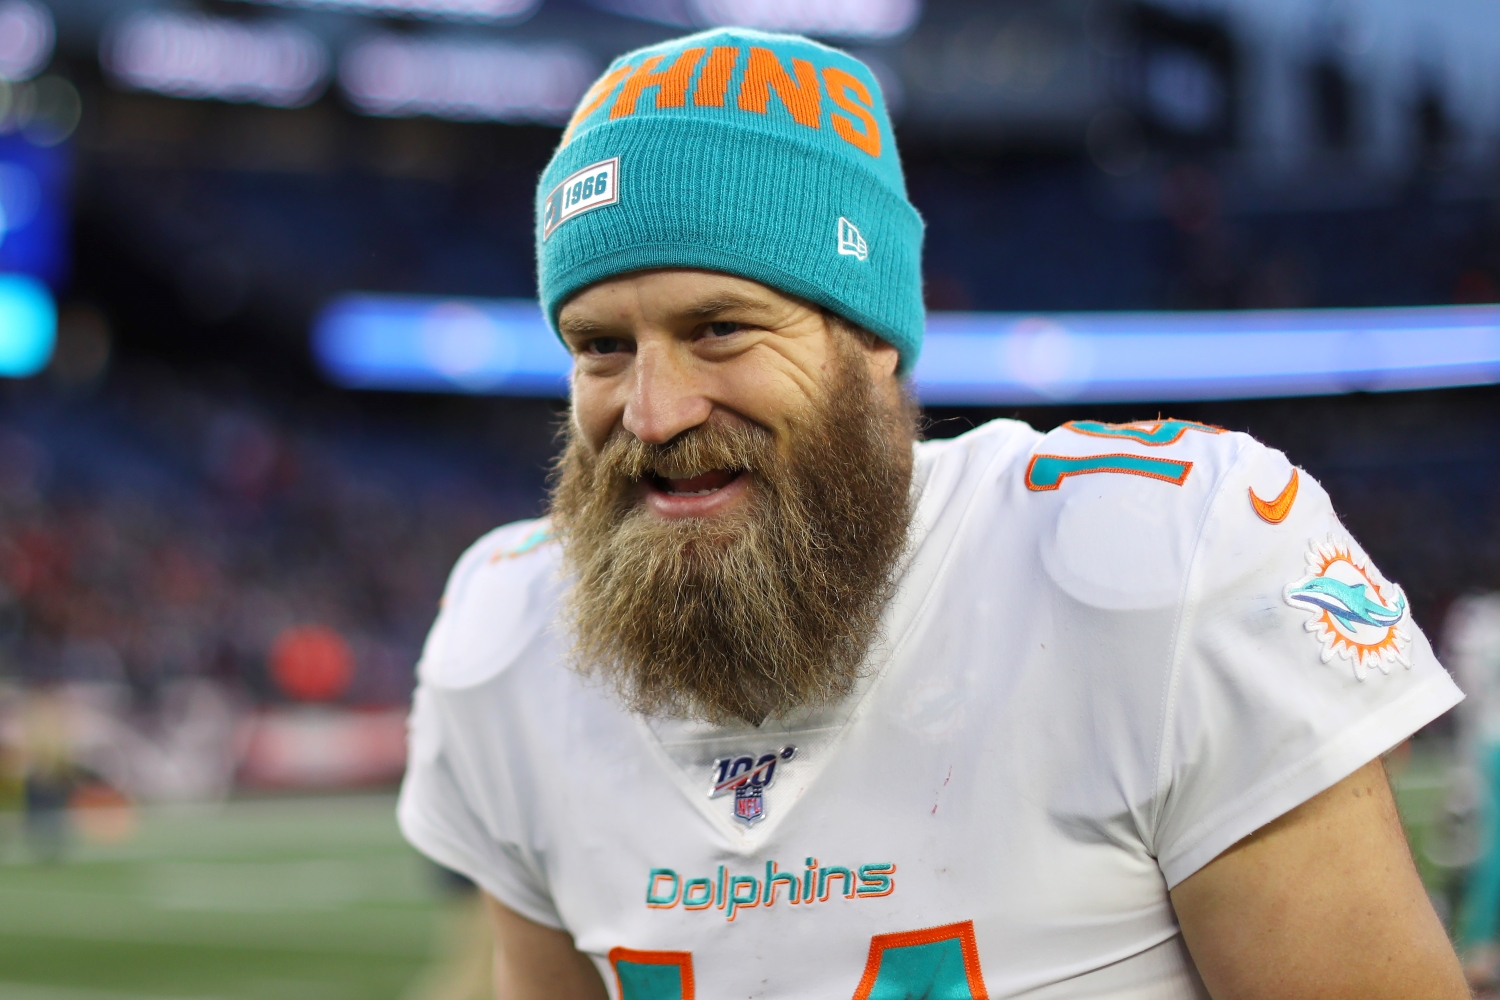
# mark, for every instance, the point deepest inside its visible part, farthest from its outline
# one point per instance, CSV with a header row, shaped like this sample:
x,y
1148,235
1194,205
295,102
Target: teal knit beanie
x,y
769,157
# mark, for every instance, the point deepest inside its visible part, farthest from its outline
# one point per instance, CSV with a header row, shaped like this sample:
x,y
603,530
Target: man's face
x,y
733,497
661,352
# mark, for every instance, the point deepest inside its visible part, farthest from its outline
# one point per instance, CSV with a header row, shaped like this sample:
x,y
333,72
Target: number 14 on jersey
x,y
937,962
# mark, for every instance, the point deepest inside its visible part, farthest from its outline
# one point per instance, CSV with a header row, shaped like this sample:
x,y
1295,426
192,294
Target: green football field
x,y
296,899
314,899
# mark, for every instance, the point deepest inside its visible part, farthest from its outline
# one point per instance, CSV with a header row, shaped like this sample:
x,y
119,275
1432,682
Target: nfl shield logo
x,y
748,776
749,808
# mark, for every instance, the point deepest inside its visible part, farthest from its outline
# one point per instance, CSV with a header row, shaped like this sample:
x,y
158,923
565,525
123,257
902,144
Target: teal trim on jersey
x,y
1046,472
1160,432
935,969
539,535
782,169
649,981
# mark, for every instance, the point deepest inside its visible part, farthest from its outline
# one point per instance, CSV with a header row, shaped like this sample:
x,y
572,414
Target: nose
x,y
665,395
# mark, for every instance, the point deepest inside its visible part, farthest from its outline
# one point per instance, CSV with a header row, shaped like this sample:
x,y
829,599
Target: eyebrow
x,y
728,302
579,326
717,305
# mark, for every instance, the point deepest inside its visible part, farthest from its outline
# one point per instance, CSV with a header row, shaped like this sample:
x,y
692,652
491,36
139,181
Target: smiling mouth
x,y
700,485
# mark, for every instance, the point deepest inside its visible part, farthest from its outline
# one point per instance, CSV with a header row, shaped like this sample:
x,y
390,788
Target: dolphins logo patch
x,y
1354,611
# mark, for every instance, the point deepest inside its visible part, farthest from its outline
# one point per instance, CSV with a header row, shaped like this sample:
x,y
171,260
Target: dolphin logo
x,y
1351,604
1354,612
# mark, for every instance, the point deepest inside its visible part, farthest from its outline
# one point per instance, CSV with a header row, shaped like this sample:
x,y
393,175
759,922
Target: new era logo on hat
x,y
851,243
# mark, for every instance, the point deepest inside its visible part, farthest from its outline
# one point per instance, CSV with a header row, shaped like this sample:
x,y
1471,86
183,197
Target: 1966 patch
x,y
595,186
1354,611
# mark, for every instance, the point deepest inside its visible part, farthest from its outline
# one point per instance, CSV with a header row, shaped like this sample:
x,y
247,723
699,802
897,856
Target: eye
x,y
724,328
603,345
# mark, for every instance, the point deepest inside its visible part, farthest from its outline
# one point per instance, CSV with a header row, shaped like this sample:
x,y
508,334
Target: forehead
x,y
674,294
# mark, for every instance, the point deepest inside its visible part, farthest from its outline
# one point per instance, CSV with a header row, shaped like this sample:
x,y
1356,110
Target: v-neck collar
x,y
686,751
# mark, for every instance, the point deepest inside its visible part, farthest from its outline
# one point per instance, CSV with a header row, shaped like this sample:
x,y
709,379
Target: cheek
x,y
595,413
766,395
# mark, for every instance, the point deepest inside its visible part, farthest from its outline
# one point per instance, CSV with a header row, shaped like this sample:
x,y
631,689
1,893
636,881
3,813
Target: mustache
x,y
731,446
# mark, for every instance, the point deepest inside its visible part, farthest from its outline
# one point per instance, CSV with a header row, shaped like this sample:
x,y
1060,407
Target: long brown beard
x,y
759,612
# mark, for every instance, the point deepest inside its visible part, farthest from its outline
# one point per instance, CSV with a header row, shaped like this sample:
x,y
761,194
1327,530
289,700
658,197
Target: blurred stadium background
x,y
269,360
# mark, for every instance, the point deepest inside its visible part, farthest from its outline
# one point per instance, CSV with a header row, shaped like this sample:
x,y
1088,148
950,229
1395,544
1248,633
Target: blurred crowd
x,y
176,558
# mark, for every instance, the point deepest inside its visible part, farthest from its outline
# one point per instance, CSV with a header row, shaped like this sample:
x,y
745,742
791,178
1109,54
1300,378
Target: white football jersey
x,y
1114,651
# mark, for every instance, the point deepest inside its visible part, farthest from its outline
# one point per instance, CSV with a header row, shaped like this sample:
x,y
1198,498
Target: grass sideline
x,y
297,899
320,899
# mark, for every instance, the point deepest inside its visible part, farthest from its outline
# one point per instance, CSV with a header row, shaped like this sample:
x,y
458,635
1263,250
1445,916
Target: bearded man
x,y
780,703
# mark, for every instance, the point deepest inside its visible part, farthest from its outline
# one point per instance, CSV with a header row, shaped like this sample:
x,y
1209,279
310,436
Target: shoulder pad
x,y
988,436
1125,504
943,463
501,594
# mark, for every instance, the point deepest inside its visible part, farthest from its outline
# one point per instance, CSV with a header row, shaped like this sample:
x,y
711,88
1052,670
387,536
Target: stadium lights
x,y
504,347
869,20
447,10
465,80
28,325
26,37
198,56
454,345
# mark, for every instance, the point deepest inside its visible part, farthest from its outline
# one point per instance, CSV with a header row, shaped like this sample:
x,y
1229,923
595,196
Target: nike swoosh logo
x,y
1275,511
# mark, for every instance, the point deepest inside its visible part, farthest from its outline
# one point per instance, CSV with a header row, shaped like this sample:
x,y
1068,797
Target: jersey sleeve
x,y
1296,663
459,805
436,818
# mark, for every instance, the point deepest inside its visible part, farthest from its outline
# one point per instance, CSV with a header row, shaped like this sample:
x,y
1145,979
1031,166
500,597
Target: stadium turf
x,y
317,899
302,899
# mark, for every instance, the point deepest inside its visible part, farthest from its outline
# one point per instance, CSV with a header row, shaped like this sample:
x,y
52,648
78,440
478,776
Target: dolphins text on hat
x,y
799,91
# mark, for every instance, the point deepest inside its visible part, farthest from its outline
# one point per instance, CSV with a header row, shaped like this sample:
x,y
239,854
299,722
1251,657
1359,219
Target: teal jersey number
x,y
1154,433
939,963
653,975
1046,472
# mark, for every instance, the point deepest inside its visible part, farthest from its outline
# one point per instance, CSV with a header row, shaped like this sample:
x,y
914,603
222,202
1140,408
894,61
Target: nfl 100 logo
x,y
748,777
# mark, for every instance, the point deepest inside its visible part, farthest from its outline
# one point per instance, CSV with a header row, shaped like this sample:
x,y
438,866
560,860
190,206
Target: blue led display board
x,y
500,346
33,208
28,325
505,347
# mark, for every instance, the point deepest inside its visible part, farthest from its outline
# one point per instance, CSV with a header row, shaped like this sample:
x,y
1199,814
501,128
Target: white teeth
x,y
694,493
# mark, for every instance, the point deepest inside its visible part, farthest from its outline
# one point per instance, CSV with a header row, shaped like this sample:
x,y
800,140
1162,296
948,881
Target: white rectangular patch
x,y
595,186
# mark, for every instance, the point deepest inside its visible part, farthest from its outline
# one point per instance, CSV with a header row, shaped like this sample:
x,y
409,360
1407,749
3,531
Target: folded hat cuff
x,y
706,194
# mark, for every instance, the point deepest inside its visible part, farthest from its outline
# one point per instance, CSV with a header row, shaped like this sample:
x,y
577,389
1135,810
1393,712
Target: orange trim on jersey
x,y
764,73
1148,426
1275,511
713,82
963,932
682,959
840,84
